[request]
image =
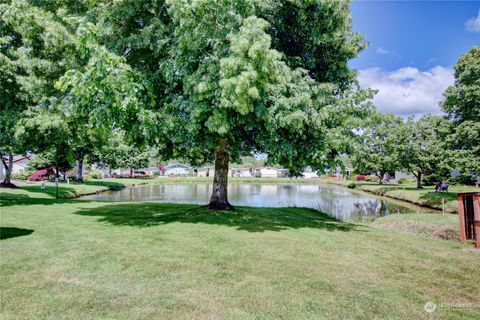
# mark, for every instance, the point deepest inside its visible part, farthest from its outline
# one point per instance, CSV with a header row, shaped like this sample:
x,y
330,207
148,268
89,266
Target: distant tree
x,y
119,153
420,146
376,151
47,135
462,104
50,39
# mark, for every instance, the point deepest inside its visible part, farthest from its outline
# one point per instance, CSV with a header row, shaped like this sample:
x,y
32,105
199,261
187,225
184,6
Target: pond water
x,y
340,202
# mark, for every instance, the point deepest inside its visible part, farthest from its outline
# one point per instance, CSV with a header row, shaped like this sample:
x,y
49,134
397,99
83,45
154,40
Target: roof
x,y
41,174
177,165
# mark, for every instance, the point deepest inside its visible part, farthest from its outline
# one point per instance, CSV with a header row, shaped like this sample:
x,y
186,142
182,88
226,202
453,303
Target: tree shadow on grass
x,y
63,191
7,200
8,232
243,218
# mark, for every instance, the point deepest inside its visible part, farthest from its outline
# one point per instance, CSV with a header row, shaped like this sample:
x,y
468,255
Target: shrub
x,y
352,185
372,178
21,175
96,174
155,173
360,177
402,180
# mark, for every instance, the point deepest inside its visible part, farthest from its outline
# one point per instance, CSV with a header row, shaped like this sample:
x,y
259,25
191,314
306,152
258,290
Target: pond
x,y
339,202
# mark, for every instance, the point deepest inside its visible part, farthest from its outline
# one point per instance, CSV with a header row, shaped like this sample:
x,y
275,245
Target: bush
x,y
402,180
96,174
156,173
352,185
372,178
360,177
21,175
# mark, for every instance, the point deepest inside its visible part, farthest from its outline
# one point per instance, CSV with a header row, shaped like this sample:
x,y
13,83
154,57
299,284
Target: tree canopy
x,y
205,81
376,150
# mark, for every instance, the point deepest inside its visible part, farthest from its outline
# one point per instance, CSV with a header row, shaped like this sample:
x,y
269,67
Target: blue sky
x,y
413,46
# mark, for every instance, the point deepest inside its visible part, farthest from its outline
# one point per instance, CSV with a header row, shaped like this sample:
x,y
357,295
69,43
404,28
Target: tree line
x,y
433,147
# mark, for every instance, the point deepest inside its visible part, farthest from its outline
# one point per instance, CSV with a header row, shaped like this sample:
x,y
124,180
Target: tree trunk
x,y
219,199
8,171
380,175
80,169
7,182
419,180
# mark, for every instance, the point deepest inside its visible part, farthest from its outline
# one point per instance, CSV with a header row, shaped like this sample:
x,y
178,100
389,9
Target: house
x,y
266,172
20,164
308,173
339,172
178,169
241,172
283,173
150,171
205,172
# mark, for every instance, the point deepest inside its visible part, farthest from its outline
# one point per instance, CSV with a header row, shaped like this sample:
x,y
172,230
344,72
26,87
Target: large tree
x,y
48,43
11,103
376,151
235,77
462,104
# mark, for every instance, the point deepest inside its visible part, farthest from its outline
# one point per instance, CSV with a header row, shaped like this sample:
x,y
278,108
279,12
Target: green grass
x,y
426,197
442,226
73,190
71,259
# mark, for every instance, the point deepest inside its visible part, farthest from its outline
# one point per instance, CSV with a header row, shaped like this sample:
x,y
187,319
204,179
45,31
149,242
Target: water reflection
x,y
339,202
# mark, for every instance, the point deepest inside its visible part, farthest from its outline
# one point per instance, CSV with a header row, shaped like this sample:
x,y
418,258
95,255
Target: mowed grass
x,y
426,197
71,259
73,190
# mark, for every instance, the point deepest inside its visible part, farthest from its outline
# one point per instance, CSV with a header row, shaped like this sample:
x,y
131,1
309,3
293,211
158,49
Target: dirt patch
x,y
436,231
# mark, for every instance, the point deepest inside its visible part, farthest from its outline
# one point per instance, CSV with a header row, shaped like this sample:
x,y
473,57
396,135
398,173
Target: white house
x,y
20,164
178,169
266,172
339,172
241,172
308,173
205,172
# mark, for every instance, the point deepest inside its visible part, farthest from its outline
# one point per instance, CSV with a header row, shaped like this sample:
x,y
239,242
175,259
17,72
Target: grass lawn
x,y
72,259
73,190
408,192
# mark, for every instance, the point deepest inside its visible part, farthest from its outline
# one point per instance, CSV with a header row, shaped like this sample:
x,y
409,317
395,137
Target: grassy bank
x,y
69,259
73,190
431,225
426,197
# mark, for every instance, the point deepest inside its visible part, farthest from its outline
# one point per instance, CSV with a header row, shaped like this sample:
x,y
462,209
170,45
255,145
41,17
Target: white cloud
x,y
473,24
407,91
382,51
